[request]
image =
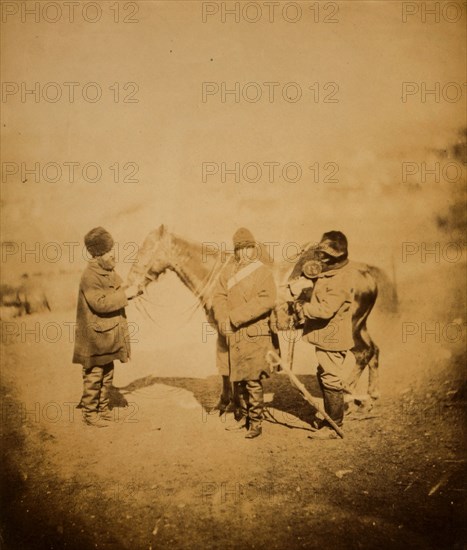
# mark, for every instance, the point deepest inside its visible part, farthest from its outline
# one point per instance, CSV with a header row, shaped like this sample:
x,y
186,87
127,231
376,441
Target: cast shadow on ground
x,y
286,398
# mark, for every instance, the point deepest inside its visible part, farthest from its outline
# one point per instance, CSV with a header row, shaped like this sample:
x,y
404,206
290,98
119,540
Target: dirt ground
x,y
166,473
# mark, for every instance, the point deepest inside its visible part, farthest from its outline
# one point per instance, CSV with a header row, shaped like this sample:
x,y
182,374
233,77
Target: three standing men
x,y
101,326
243,300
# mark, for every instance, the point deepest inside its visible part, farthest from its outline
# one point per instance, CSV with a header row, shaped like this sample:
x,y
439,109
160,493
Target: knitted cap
x,y
243,238
98,241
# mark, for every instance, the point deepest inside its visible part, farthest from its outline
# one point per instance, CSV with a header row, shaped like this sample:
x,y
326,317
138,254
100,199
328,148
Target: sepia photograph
x,y
233,291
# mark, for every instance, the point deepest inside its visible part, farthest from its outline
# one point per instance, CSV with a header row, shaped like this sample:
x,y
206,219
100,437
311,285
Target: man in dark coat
x,y
242,304
101,327
328,324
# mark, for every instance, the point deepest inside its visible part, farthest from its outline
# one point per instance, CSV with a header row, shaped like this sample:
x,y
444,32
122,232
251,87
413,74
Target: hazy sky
x,y
360,61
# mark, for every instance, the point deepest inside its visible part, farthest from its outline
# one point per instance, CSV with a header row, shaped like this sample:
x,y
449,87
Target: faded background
x,y
382,132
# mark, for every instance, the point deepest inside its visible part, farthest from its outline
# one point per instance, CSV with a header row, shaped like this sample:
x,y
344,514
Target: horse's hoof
x,y
222,407
358,407
356,398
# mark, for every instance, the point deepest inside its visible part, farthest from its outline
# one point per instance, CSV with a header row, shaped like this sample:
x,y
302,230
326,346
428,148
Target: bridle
x,y
201,291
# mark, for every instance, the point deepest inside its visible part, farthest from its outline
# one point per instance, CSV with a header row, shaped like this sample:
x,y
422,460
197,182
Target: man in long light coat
x,y
243,300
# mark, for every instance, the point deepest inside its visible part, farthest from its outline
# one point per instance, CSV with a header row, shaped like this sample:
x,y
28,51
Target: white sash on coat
x,y
242,273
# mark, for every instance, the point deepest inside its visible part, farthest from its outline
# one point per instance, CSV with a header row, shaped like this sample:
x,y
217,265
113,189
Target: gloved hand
x,y
297,286
298,311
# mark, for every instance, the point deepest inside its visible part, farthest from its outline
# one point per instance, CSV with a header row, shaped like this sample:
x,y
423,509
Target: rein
x,y
201,289
211,280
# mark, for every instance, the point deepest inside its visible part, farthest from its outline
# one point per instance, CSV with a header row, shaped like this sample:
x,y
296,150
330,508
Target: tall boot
x,y
255,409
334,404
92,383
104,398
317,422
334,407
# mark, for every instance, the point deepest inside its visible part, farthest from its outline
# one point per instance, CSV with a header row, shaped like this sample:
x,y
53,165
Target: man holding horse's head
x,y
243,300
101,326
328,323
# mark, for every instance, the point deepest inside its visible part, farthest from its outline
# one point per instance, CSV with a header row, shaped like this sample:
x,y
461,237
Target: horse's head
x,y
153,258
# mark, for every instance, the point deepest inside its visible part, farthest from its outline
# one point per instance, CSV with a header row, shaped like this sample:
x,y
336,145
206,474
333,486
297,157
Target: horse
x,y
199,265
32,296
10,305
25,299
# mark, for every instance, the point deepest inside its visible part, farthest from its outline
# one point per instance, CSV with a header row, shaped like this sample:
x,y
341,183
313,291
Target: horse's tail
x,y
388,299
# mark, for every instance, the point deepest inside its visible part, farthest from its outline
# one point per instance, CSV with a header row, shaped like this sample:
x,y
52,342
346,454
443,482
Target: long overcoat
x,y
101,333
242,304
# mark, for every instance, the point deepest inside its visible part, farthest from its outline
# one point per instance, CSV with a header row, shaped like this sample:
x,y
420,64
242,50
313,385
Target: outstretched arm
x,y
103,300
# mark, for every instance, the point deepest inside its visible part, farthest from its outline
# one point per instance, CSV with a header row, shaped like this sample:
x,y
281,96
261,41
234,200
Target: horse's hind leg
x,y
362,357
372,360
357,403
373,374
352,403
366,353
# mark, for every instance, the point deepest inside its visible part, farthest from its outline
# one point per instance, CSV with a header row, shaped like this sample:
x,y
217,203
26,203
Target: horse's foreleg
x,y
222,362
227,393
